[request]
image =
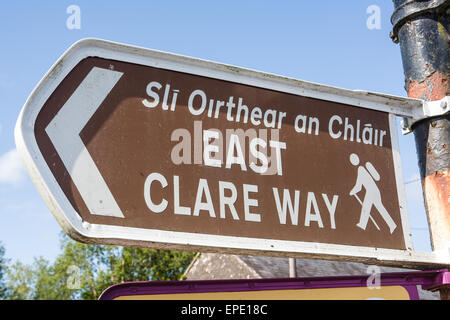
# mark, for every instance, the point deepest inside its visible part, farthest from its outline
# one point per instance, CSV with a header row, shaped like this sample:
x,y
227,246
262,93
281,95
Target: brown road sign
x,y
137,147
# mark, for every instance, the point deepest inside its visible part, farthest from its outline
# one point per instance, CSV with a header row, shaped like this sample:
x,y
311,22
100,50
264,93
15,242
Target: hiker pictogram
x,y
367,177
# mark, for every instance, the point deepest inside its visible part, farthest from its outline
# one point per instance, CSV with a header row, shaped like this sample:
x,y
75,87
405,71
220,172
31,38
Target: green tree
x,y
3,270
20,282
84,271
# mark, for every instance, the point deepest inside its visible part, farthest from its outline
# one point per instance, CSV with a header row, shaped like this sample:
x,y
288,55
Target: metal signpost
x,y
421,29
132,146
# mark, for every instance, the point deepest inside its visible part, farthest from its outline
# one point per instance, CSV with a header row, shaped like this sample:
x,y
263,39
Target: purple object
x,y
408,280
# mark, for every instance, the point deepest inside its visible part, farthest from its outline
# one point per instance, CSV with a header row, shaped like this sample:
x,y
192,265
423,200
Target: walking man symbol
x,y
366,178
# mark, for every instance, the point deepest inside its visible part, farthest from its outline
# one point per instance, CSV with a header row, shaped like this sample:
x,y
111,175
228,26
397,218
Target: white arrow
x,y
64,131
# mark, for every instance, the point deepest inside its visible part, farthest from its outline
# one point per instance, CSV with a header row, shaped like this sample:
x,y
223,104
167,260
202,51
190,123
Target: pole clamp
x,y
429,109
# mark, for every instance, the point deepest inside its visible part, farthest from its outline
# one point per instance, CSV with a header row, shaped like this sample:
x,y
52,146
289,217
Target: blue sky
x,y
320,41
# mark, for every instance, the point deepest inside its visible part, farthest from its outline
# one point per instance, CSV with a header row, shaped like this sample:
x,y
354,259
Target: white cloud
x,y
11,168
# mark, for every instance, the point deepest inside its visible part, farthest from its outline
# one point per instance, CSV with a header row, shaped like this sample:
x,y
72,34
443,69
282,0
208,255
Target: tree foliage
x,y
84,271
3,269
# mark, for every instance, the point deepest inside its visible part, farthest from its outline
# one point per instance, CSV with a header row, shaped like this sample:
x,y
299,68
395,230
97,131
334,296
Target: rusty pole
x,y
422,30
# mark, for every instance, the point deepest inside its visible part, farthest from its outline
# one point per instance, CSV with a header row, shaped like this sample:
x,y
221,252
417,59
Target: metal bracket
x,y
429,109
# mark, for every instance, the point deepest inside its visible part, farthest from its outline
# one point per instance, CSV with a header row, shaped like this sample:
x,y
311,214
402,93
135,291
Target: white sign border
x,y
72,224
